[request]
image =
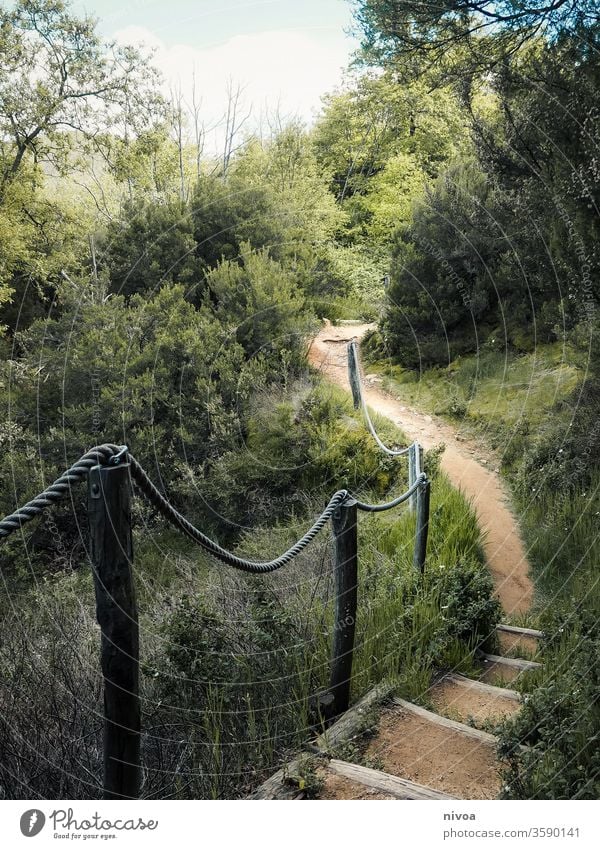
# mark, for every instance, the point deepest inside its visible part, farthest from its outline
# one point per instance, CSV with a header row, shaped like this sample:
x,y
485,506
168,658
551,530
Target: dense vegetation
x,y
494,284
154,295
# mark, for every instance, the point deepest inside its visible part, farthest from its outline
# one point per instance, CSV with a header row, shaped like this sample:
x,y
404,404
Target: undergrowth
x,y
229,662
535,409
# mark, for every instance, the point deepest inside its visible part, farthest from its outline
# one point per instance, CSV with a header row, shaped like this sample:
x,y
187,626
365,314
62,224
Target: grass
x,y
506,399
525,406
494,391
229,662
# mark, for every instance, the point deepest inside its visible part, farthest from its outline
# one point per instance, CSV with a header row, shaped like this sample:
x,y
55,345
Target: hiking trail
x,y
467,464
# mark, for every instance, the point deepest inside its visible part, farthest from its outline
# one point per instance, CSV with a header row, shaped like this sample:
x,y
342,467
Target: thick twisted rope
x,y
104,455
108,453
380,508
359,400
175,518
60,488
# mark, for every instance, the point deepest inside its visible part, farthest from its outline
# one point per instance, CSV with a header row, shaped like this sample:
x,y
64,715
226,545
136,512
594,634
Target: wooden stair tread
x,y
384,782
344,729
473,683
525,632
467,700
514,662
450,724
435,752
351,723
424,755
495,668
276,786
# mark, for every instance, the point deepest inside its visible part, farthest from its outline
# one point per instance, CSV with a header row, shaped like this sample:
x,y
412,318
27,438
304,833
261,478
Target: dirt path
x,y
466,463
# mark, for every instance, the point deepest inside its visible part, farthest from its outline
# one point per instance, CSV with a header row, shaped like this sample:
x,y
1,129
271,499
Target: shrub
x,y
560,718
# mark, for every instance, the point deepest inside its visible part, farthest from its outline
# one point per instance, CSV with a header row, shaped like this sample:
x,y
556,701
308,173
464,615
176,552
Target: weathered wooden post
x,y
415,467
422,525
412,475
344,522
353,374
109,496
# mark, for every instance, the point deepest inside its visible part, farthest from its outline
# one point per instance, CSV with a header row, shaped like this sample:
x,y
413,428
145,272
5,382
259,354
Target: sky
x,y
284,53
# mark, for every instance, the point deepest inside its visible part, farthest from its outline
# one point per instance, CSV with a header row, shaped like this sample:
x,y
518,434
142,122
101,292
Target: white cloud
x,y
289,68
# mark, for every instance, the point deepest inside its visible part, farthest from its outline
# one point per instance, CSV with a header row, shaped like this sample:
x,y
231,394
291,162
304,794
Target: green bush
x,y
304,443
559,722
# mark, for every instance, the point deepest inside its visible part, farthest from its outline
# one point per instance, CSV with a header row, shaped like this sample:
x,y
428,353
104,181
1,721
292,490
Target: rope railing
x,y
360,403
60,488
110,469
175,518
414,450
388,505
109,454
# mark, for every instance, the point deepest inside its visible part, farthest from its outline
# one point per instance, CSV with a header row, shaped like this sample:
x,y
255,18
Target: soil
x,y
338,787
498,674
416,749
467,464
464,703
520,644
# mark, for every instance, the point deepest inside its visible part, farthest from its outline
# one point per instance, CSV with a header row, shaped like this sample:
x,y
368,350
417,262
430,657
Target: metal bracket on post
x,y
344,522
109,497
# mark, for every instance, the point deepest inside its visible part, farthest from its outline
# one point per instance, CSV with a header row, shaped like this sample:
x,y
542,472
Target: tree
x,y
377,118
59,84
442,274
536,143
150,245
463,36
262,301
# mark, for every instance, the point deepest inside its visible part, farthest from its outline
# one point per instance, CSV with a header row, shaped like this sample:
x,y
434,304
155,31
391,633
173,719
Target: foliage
x,y
441,282
168,379
64,97
530,94
462,37
296,446
51,690
560,719
149,245
180,328
84,86
374,120
261,300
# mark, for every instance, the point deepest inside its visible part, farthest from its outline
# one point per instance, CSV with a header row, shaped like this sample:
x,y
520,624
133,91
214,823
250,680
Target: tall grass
x,y
526,406
230,663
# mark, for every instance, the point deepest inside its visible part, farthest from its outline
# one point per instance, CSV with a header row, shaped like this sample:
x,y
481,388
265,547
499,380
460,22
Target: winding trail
x,y
463,461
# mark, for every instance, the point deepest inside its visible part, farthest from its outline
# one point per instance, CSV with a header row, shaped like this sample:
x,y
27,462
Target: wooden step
x,y
513,638
525,632
435,752
466,699
345,780
352,723
480,686
278,786
444,722
496,668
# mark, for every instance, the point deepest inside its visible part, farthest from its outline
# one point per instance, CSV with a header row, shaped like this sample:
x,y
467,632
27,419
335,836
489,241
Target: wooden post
x,y
109,496
412,475
353,374
415,467
418,458
345,579
422,526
